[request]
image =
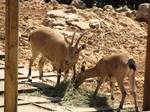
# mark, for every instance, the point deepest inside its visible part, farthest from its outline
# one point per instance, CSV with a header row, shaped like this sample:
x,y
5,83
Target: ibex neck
x,y
90,73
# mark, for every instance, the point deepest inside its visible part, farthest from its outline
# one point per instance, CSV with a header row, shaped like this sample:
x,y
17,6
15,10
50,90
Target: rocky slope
x,y
111,31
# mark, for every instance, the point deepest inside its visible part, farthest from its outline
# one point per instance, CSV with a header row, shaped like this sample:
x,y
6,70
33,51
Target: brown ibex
x,y
62,54
111,67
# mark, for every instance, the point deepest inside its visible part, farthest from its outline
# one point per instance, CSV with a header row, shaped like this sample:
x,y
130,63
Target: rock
x,y
61,18
96,51
123,9
54,1
80,24
78,4
59,27
142,13
58,22
55,14
66,33
131,14
87,53
52,22
104,24
94,23
108,8
47,20
55,99
71,9
73,17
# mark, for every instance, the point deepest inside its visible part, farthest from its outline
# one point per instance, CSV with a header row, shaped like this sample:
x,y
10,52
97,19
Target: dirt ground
x,y
118,33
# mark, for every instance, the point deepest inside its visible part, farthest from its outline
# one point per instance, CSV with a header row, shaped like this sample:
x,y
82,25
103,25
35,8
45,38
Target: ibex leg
x,y
34,55
112,88
122,89
99,82
41,65
132,83
58,76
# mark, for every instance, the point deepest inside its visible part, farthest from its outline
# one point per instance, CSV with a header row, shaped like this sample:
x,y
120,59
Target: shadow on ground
x,y
100,103
52,91
69,96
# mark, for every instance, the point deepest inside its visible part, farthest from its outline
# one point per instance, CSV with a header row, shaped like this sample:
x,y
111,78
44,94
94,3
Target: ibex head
x,y
80,77
74,50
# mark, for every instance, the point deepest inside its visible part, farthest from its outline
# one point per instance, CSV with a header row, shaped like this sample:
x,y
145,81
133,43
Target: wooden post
x,y
11,58
146,99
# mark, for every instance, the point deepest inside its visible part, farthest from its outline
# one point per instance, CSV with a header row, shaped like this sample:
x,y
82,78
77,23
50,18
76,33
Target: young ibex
x,y
52,45
111,67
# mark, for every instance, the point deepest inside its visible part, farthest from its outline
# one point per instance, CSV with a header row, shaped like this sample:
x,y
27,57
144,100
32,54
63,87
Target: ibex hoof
x,y
30,80
136,109
118,110
94,94
57,83
112,98
41,78
73,80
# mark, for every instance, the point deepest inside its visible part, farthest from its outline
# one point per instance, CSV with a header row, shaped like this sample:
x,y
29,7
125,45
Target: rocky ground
x,y
111,31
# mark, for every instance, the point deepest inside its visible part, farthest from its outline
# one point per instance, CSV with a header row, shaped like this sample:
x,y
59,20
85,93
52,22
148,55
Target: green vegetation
x,y
84,97
71,96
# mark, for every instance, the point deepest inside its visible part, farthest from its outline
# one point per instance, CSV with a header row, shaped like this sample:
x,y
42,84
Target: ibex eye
x,y
76,52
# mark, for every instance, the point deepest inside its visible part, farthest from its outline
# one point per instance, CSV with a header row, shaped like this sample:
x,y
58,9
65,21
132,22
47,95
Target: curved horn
x,y
73,38
66,39
76,45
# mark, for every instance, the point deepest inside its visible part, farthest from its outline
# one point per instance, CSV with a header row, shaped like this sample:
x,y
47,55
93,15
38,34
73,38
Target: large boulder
x,y
142,13
60,19
78,4
108,8
123,9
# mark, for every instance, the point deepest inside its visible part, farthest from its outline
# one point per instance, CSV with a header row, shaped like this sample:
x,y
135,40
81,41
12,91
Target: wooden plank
x,y
28,108
35,74
22,88
26,87
3,66
31,108
11,58
24,100
146,99
22,74
1,101
2,62
33,99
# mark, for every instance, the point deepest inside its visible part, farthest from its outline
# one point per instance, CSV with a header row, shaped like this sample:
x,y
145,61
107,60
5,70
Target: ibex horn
x,y
72,38
76,45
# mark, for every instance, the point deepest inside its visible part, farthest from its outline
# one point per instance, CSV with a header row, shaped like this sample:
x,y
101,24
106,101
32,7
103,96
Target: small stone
x,y
55,99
